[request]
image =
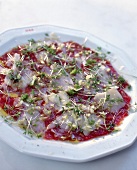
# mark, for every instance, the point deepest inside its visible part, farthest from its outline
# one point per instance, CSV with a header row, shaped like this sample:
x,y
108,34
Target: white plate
x,y
66,151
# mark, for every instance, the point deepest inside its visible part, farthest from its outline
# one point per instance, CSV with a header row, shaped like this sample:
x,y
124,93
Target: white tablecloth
x,y
112,20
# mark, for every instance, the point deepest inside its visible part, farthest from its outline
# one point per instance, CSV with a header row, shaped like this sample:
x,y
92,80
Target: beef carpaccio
x,y
61,90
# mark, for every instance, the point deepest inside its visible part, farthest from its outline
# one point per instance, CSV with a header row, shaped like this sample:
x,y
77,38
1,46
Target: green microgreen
x,y
33,92
32,41
18,64
91,122
69,104
71,92
121,80
129,87
74,71
108,97
14,77
77,110
99,48
49,50
90,61
24,97
77,86
46,34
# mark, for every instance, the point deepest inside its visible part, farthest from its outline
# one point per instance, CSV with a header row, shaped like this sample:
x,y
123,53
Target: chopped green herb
x,y
17,114
86,52
116,130
27,50
80,100
74,71
119,100
69,104
39,135
121,80
109,82
103,55
30,100
24,97
33,92
107,97
63,72
90,61
14,77
91,122
32,41
19,64
77,86
71,92
99,48
46,34
5,107
129,87
77,110
43,75
49,50
34,125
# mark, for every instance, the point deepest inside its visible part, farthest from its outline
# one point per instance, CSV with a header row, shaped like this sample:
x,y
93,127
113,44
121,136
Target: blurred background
x,y
112,20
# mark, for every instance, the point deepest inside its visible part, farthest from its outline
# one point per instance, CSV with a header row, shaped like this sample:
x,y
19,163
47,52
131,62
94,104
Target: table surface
x,y
115,21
